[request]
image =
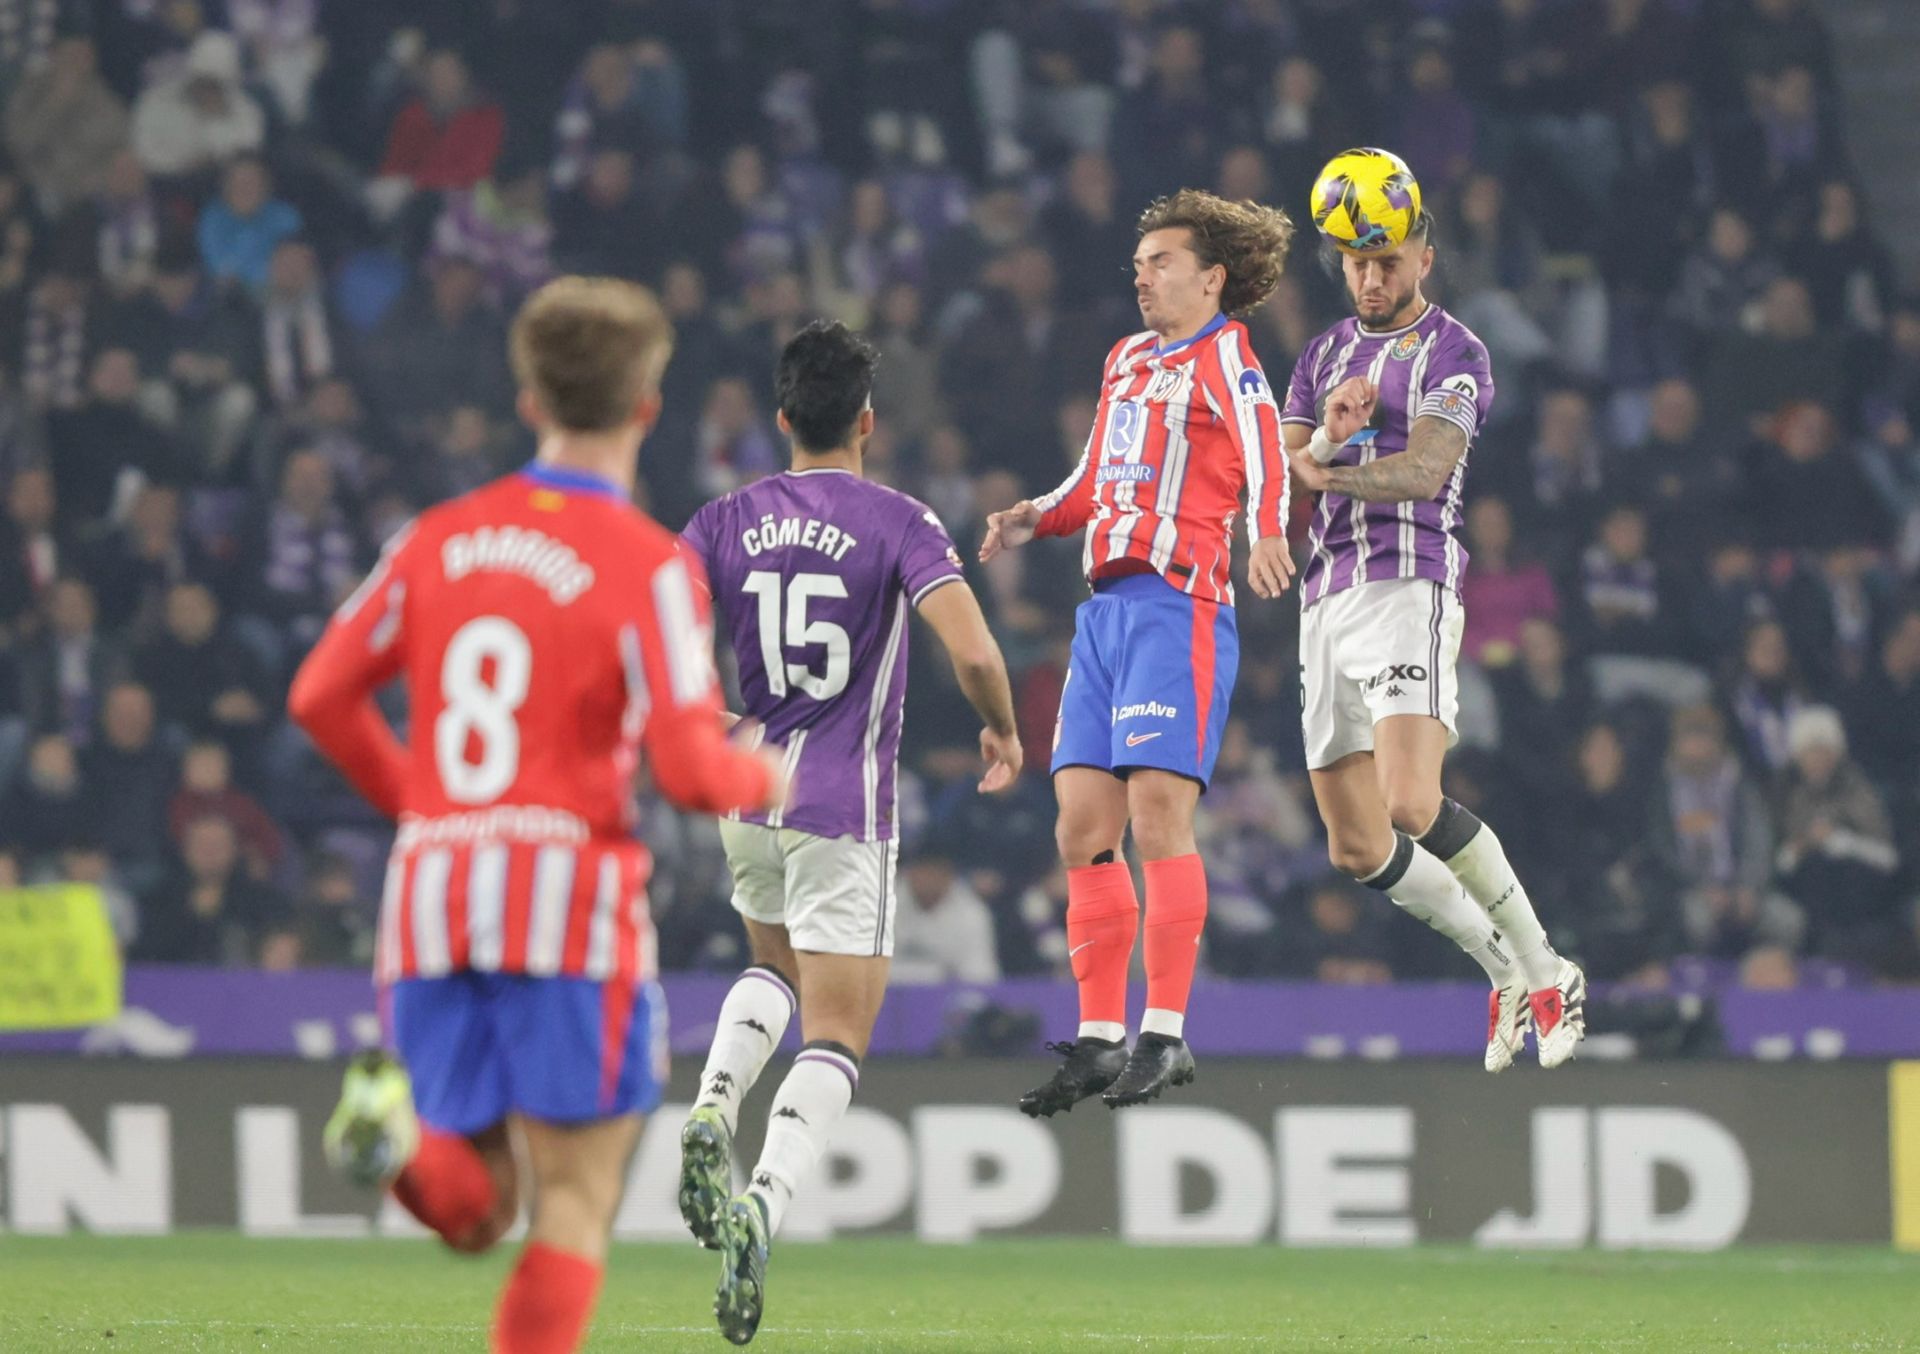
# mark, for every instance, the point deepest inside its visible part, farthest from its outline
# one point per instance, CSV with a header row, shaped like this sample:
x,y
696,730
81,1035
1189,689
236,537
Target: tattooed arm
x,y
1434,447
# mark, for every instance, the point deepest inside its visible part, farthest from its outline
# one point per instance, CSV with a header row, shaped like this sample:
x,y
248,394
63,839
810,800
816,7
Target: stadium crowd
x,y
257,257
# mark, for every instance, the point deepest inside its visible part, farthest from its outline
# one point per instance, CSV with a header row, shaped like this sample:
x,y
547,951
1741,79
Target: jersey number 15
x,y
798,632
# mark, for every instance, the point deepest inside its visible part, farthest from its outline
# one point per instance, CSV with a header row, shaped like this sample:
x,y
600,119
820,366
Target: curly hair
x,y
1248,240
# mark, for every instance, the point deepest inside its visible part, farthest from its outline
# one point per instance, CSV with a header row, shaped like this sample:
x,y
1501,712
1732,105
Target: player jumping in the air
x,y
813,573
1186,423
549,635
1378,420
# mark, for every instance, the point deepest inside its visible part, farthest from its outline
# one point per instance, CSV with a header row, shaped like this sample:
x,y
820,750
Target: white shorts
x,y
1379,649
834,895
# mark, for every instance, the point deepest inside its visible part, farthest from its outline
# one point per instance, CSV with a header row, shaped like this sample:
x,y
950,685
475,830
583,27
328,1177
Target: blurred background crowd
x,y
257,258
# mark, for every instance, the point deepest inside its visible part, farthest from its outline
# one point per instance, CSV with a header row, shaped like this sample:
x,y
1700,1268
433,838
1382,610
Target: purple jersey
x,y
1434,366
812,574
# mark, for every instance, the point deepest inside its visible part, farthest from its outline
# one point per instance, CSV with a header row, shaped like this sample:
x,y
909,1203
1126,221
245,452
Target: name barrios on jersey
x,y
553,565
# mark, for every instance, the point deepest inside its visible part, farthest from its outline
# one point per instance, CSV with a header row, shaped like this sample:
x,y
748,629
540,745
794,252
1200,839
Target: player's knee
x,y
1083,841
1164,835
1413,807
1357,857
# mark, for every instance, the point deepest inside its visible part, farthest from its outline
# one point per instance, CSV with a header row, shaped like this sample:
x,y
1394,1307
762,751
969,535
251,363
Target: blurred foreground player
x,y
813,573
1379,417
1186,425
549,635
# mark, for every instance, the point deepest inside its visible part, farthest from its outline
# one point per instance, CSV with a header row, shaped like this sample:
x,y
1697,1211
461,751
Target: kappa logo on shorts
x,y
1398,672
1146,710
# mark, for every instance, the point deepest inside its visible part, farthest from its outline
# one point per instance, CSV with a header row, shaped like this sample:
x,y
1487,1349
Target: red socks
x,y
446,1185
547,1302
1176,914
1103,917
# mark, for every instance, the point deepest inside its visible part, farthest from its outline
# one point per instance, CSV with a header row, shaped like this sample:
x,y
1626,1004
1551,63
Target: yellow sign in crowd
x,y
59,965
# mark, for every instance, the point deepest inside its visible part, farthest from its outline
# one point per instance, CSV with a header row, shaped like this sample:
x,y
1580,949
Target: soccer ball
x,y
1366,201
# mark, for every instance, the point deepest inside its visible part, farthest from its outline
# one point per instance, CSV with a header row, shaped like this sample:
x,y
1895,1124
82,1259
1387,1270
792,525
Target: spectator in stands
x,y
1767,694
1711,834
64,125
1677,471
945,930
736,446
1626,604
1846,269
1544,702
46,800
134,568
20,232
33,550
52,336
208,912
1341,938
240,230
1436,123
199,347
1804,491
1167,132
1837,856
906,387
1607,900
204,680
129,225
206,790
301,340
130,775
1782,359
446,136
1724,276
1884,710
300,558
1084,228
200,117
442,347
602,224
66,670
333,927
1833,606
1501,594
501,227
104,451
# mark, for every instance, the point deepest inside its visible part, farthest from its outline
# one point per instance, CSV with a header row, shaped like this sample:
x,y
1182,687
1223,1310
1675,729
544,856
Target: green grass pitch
x,y
213,1292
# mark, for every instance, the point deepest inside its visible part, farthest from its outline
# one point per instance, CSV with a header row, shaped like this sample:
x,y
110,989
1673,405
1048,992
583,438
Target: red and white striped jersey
x,y
548,635
1182,431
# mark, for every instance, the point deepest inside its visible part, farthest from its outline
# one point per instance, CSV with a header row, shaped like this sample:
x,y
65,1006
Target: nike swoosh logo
x,y
1077,948
1134,740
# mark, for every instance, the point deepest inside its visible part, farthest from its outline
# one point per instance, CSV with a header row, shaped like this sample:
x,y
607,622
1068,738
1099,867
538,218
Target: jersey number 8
x,y
475,708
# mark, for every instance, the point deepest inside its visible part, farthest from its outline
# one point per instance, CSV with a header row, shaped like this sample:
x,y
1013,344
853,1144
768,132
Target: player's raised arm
x,y
954,613
332,695
668,654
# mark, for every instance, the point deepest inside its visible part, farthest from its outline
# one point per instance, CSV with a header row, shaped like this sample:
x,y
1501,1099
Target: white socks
x,y
809,1105
1478,861
1110,1030
1421,885
753,1020
1172,1024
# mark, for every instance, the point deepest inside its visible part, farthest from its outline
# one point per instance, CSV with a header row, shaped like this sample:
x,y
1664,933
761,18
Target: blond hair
x,y
591,349
1249,240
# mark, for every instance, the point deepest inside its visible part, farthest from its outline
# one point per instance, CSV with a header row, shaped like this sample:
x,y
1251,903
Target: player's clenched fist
x,y
1011,529
1349,407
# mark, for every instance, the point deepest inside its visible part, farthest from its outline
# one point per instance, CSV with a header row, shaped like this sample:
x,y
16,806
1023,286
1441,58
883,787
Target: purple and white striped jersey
x,y
1435,365
813,573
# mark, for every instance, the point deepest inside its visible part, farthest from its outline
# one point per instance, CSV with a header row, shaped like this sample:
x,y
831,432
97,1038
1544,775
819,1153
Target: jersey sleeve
x,y
927,557
1459,385
697,541
1302,398
362,649
1239,396
1070,505
666,649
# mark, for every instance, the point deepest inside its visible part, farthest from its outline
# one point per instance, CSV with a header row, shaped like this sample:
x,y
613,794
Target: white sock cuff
x,y
837,1056
772,976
